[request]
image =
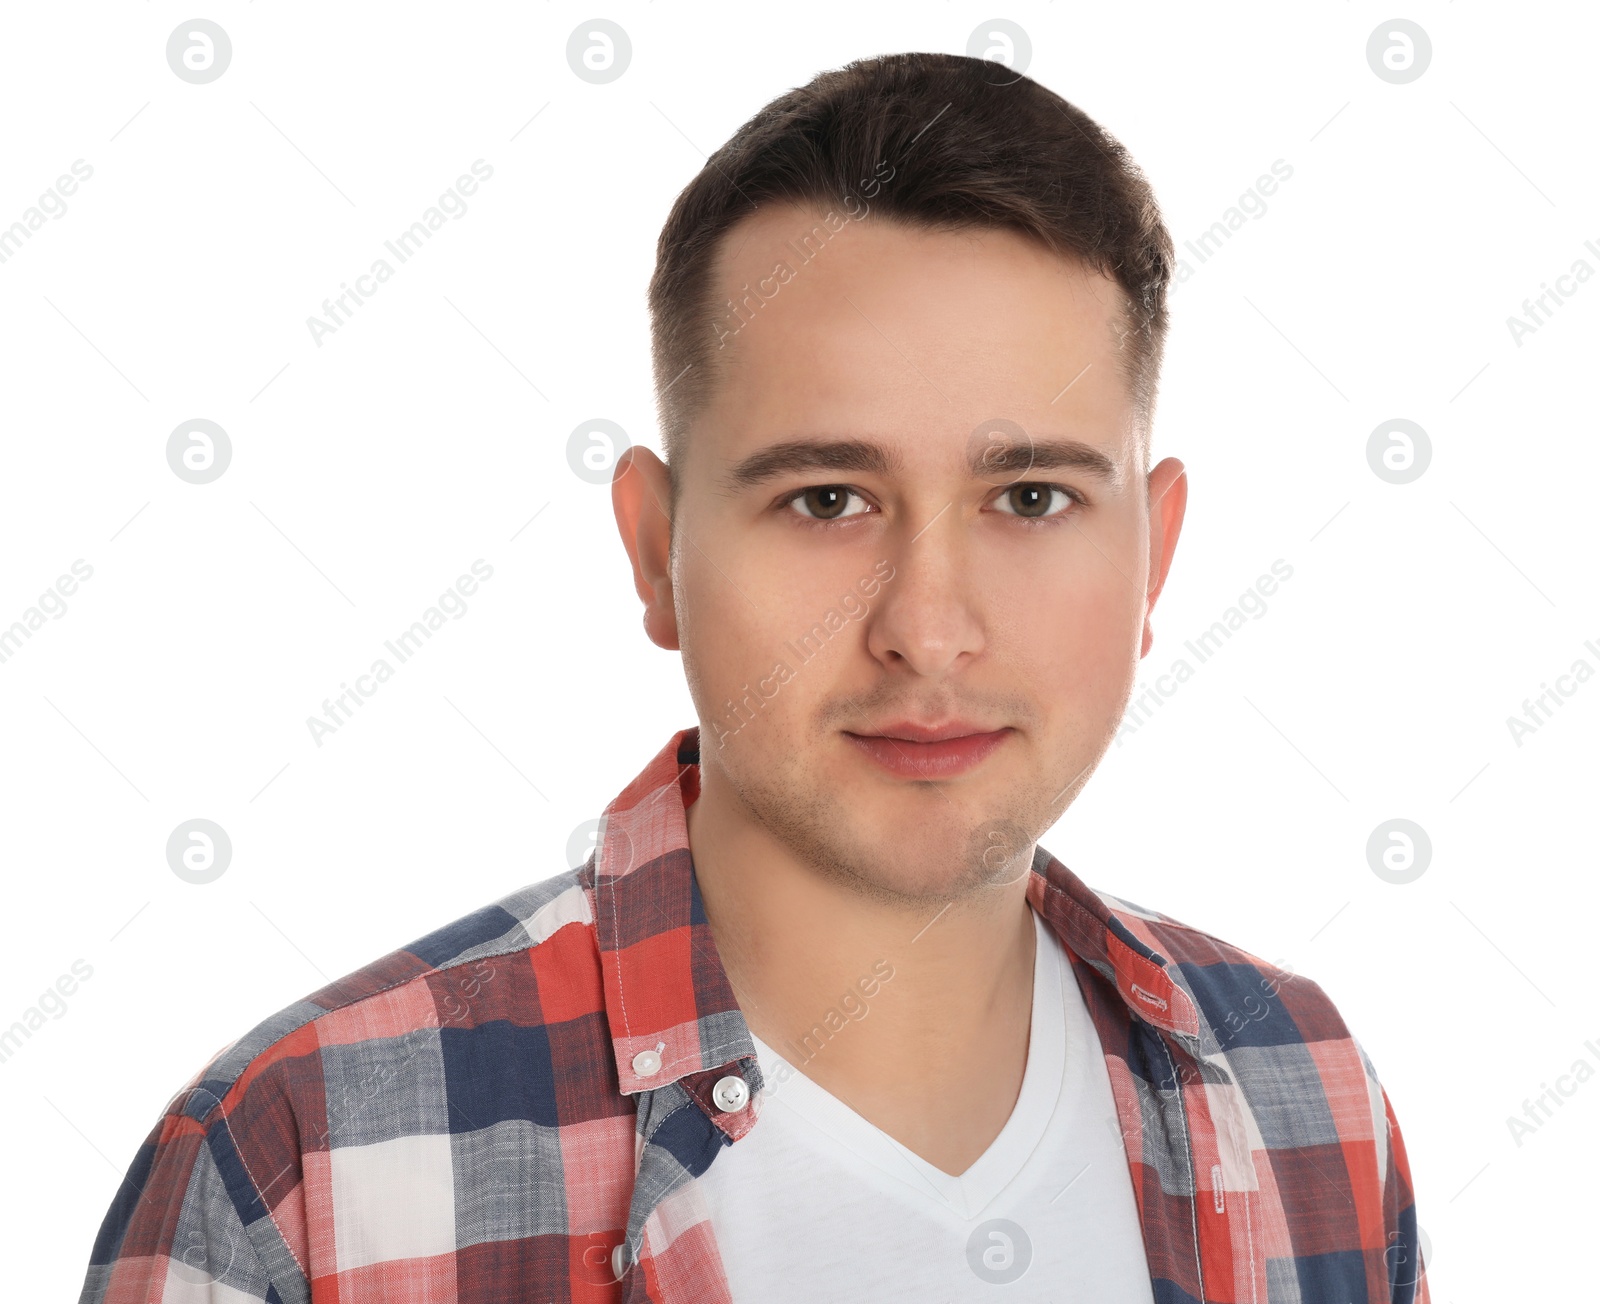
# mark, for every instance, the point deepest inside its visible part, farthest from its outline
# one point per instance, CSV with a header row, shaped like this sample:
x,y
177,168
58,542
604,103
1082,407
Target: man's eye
x,y
827,502
1036,501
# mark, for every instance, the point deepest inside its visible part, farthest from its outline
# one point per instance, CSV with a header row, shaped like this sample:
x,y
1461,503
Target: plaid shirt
x,y
519,1105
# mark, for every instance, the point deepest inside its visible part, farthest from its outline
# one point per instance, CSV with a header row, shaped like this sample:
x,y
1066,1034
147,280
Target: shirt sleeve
x,y
174,1231
1408,1283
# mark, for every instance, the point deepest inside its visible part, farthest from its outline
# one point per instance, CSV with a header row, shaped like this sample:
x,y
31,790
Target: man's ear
x,y
1169,494
640,493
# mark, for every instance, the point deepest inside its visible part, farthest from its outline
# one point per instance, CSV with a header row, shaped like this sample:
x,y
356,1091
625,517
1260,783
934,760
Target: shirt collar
x,y
668,1002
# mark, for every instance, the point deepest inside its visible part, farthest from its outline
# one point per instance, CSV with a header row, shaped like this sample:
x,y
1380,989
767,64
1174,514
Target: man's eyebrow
x,y
861,456
858,455
1017,459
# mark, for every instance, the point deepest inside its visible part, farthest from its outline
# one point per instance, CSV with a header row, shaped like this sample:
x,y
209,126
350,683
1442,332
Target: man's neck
x,y
944,1038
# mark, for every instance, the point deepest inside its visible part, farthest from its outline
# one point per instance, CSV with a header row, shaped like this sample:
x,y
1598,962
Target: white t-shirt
x,y
815,1203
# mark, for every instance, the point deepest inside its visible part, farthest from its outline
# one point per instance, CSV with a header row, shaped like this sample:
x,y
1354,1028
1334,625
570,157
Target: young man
x,y
819,1019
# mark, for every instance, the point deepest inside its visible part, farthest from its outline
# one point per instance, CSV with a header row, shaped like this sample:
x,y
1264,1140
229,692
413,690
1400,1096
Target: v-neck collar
x,y
968,1193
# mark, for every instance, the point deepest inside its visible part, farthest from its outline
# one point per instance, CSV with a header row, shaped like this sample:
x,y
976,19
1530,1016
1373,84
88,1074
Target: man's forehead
x,y
899,314
817,238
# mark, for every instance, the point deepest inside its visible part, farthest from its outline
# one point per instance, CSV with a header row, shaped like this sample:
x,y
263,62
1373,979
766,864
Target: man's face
x,y
956,535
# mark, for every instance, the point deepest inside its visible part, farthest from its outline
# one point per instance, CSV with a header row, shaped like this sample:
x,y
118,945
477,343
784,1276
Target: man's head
x,y
907,328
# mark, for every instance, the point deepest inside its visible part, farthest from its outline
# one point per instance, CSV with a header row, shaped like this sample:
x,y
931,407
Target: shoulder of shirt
x,y
1232,989
1230,973
514,924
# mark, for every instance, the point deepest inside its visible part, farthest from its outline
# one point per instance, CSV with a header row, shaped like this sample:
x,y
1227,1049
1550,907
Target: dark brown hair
x,y
965,143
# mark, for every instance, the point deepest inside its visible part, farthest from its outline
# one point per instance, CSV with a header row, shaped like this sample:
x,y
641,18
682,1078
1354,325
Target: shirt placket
x,y
698,1111
1174,1108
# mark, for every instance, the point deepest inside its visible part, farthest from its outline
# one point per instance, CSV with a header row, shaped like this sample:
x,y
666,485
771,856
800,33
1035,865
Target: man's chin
x,y
894,837
937,856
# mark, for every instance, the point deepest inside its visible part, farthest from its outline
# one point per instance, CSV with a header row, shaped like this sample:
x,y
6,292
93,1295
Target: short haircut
x,y
971,145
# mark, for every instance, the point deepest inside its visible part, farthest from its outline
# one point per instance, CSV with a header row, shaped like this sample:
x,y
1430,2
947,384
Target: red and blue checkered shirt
x,y
474,1118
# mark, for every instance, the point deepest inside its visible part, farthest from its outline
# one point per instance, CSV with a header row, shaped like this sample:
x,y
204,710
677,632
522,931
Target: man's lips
x,y
921,752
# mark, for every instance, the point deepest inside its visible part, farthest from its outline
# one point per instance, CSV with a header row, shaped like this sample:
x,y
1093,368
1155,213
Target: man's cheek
x,y
742,667
1089,638
1094,603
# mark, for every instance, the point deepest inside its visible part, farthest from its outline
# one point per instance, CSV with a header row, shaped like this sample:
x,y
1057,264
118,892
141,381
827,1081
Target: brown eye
x,y
1030,499
825,502
1035,501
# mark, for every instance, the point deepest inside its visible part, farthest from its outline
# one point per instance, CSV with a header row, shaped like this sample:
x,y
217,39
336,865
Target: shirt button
x,y
731,1094
619,1259
647,1063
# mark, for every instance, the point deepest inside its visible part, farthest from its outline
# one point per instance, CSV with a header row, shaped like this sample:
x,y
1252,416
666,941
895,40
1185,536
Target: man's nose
x,y
929,617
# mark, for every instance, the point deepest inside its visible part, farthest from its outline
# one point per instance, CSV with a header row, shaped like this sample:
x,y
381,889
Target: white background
x,y
369,472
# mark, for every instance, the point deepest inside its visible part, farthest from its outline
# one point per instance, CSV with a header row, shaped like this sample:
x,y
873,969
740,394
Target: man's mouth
x,y
916,751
